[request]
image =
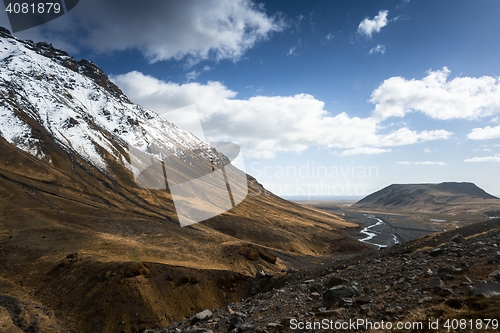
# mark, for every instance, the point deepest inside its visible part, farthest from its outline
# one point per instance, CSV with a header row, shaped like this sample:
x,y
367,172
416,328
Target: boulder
x,y
201,316
337,295
436,252
487,289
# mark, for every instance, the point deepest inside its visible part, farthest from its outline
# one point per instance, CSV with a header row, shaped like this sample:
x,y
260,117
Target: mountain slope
x,y
80,239
450,197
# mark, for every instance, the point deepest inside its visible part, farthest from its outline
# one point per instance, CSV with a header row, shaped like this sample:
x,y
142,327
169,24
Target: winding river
x,y
371,233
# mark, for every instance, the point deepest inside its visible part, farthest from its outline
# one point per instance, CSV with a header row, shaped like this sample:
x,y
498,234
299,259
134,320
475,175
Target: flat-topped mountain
x,y
449,197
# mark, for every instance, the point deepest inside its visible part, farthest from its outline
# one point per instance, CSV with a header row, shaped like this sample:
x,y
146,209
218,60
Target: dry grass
x,y
132,255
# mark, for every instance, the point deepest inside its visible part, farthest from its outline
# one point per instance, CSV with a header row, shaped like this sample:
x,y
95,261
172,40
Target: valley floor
x,y
448,279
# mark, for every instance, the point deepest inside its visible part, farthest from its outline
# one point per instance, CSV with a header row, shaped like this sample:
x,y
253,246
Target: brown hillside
x,y
100,254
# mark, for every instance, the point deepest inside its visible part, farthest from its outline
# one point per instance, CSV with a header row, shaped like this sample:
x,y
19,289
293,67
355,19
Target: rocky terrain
x,y
448,276
447,198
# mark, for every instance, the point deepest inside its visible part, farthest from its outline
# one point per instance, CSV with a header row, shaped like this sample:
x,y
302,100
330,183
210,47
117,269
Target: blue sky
x,y
324,97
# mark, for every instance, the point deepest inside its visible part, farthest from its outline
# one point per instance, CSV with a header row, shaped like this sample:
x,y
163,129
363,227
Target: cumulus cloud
x,y
422,163
405,136
494,158
486,133
265,125
377,49
438,97
369,26
364,151
162,30
193,75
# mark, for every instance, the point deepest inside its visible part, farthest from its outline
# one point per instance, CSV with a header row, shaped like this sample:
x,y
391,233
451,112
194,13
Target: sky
x,y
325,98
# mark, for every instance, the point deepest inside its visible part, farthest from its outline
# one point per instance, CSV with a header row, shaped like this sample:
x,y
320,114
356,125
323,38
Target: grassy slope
x,y
135,267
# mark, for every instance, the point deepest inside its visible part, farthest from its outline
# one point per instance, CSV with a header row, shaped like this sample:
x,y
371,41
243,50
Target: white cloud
x,y
486,133
162,30
422,163
292,51
368,27
494,158
438,97
377,49
265,125
430,163
330,36
192,75
405,136
364,151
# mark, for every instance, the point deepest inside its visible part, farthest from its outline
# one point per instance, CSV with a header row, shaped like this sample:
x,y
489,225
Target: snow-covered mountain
x,y
80,109
88,227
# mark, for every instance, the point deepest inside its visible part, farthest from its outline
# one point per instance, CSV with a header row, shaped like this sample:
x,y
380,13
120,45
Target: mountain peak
x,y
73,104
449,197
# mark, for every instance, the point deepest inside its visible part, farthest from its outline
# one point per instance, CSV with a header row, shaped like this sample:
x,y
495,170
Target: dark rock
x,y
246,328
443,271
480,252
236,319
487,289
198,330
72,256
457,239
328,313
334,281
434,284
317,287
436,252
425,299
495,274
337,295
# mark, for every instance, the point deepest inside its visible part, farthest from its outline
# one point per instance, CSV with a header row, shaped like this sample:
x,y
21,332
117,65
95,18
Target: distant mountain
x,y
449,197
